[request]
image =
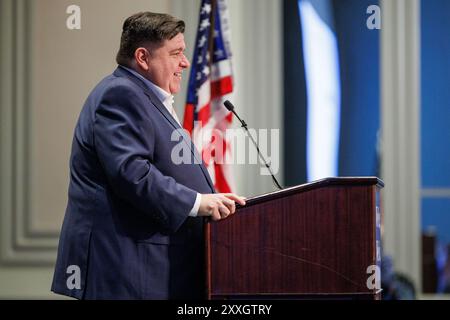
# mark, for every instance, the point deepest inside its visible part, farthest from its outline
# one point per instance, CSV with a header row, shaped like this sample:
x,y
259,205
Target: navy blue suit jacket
x,y
126,227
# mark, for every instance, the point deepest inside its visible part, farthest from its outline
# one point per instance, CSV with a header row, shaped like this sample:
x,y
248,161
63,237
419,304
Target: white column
x,y
400,60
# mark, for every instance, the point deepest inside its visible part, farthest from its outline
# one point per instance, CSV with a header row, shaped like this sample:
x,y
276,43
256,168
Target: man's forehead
x,y
177,41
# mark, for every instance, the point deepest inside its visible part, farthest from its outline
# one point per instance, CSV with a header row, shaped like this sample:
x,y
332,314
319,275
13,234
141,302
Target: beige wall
x,y
47,72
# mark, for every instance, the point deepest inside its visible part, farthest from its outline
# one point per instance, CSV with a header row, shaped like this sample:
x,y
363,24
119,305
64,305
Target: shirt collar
x,y
165,97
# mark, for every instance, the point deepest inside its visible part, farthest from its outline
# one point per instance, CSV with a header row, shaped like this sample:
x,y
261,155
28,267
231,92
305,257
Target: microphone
x,y
230,107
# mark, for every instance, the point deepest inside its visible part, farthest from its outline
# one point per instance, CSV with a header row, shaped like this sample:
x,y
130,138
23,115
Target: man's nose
x,y
185,62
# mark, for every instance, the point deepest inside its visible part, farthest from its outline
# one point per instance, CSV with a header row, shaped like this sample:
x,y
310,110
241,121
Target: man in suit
x,y
133,227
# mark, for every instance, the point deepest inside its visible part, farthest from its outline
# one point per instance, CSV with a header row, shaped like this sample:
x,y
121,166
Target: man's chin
x,y
175,90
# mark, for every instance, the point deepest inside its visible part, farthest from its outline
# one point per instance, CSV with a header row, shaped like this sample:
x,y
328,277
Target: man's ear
x,y
142,57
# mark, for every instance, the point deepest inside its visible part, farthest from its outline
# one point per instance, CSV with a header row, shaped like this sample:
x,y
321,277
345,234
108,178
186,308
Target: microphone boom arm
x,y
230,107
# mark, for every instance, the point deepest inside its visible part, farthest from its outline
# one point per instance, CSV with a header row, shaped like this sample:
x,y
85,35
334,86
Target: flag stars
x,y
200,60
205,70
204,24
202,41
206,8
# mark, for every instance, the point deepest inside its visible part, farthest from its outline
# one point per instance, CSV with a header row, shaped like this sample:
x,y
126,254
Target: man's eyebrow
x,y
177,50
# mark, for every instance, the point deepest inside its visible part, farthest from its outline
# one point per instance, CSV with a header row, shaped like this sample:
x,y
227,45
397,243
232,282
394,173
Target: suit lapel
x,y
163,110
120,71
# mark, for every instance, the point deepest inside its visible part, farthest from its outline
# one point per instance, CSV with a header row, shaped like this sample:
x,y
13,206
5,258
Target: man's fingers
x,y
238,199
224,211
230,204
215,215
219,205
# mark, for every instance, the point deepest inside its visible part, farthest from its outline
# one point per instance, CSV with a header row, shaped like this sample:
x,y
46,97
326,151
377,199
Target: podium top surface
x,y
335,181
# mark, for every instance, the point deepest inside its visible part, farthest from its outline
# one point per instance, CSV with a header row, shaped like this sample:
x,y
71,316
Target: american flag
x,y
210,84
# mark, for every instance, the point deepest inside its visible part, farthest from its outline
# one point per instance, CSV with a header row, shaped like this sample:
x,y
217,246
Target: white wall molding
x,y
20,242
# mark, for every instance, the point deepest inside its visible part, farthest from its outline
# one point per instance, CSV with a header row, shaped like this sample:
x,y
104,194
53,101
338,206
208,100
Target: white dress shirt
x,y
167,100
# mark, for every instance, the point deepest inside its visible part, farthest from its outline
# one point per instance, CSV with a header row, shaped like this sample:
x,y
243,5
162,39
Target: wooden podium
x,y
317,240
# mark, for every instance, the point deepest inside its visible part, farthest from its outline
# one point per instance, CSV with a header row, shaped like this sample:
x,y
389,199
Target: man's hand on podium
x,y
218,206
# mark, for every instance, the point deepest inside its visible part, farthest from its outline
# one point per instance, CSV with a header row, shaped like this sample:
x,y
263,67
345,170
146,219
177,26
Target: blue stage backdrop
x,y
341,139
435,116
